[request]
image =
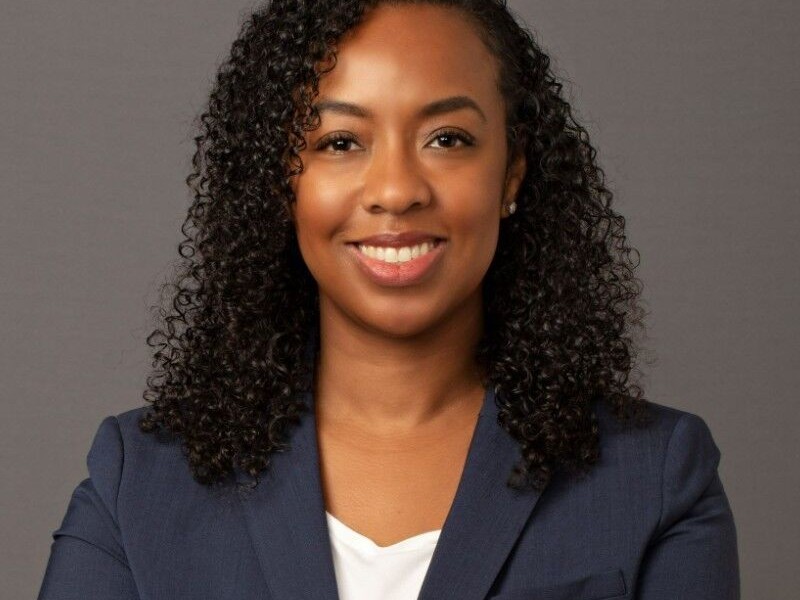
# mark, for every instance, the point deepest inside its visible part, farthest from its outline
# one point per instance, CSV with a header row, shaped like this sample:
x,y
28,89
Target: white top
x,y
366,571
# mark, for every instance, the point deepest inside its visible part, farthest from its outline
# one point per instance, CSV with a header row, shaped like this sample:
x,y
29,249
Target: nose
x,y
396,180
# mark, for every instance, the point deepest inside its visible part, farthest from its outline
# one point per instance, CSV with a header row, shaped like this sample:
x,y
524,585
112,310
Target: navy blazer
x,y
650,521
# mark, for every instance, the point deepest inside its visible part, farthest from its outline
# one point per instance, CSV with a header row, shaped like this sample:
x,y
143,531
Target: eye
x,y
339,141
451,136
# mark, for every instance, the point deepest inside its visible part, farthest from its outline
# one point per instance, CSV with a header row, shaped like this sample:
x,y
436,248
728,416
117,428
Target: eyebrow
x,y
438,107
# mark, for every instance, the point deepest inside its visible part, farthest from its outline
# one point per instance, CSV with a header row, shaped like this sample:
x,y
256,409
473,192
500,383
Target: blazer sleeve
x,y
87,557
693,554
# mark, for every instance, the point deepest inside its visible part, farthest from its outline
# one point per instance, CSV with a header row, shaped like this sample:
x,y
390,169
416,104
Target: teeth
x,y
395,255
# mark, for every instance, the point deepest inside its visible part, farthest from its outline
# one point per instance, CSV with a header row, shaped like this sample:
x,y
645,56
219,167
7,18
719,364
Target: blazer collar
x,y
285,516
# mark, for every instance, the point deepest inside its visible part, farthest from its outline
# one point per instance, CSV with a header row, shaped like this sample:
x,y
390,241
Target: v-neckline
x,y
286,520
419,541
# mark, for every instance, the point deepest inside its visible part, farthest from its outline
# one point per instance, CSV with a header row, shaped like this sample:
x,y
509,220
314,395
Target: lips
x,y
399,274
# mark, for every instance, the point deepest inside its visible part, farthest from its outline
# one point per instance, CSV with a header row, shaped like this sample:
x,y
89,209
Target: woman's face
x,y
406,161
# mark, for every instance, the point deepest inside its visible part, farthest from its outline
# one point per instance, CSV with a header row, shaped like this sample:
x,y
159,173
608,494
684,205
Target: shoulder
x,y
674,458
123,459
673,435
119,436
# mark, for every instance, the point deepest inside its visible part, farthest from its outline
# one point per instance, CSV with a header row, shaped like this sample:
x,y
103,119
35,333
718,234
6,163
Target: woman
x,y
402,333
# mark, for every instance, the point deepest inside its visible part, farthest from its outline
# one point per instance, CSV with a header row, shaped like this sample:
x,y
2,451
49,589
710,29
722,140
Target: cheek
x,y
319,212
472,205
471,211
319,215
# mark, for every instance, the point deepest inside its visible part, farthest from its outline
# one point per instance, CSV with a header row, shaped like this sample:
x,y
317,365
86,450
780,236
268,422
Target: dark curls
x,y
560,297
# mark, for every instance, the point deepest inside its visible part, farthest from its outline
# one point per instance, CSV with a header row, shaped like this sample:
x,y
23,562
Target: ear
x,y
515,173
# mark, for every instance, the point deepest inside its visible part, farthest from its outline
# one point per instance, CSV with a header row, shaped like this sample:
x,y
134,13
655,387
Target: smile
x,y
397,255
390,266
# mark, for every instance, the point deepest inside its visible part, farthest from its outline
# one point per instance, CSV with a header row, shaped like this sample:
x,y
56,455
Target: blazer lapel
x,y
285,516
485,519
286,519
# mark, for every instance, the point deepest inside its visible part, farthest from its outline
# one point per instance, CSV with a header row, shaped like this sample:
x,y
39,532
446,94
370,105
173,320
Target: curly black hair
x,y
560,296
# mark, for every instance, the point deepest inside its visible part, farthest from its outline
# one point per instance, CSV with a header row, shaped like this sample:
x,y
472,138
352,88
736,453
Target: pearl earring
x,y
512,208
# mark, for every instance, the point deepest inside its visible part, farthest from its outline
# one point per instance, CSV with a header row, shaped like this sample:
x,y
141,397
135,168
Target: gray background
x,y
692,105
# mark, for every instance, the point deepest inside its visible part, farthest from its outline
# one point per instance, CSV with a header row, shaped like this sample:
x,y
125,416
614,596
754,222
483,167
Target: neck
x,y
383,384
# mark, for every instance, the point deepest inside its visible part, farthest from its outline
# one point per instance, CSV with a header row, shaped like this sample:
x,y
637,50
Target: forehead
x,y
411,53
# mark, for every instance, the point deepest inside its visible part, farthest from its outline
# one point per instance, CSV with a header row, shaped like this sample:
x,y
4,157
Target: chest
x,y
391,489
